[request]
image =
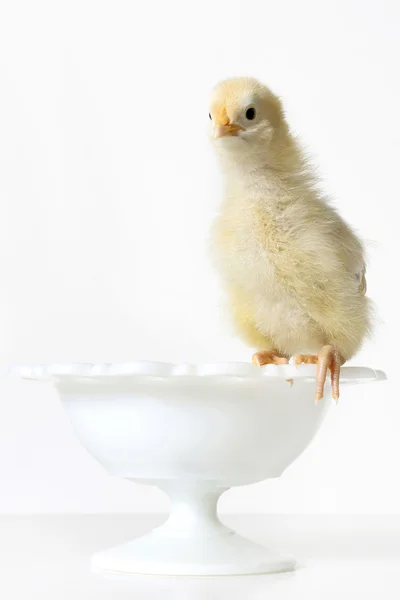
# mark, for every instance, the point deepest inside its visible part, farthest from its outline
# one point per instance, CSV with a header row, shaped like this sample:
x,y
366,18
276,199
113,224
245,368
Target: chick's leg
x,y
269,357
328,358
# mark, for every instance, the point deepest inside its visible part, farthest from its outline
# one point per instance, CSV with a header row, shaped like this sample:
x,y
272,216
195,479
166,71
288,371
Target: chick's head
x,y
245,116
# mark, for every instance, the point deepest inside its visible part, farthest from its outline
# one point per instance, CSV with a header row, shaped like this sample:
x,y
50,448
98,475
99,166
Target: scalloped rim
x,y
166,370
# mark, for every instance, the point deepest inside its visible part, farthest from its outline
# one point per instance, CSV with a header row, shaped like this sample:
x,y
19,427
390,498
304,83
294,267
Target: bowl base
x,y
193,541
225,553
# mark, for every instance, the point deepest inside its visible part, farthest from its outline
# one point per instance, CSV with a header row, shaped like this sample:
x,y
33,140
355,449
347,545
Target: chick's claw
x,y
269,357
308,359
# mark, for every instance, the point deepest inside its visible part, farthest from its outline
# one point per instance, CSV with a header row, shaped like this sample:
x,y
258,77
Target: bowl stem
x,y
193,510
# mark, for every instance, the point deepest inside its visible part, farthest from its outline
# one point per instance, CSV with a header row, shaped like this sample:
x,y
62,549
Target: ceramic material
x,y
194,431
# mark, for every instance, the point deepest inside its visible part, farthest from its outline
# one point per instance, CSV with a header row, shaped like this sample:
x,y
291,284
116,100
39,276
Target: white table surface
x,y
47,557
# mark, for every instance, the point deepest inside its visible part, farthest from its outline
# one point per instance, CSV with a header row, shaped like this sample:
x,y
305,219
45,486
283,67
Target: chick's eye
x,y
250,114
210,117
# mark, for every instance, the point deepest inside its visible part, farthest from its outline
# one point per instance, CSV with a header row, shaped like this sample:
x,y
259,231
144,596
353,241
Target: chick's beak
x,y
229,129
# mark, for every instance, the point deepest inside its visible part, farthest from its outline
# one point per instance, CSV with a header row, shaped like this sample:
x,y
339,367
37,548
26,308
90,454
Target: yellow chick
x,y
293,270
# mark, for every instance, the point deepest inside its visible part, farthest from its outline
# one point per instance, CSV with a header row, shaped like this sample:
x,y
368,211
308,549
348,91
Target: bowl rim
x,y
144,369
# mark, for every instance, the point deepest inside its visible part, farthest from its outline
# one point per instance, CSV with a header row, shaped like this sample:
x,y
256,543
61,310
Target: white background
x,y
107,189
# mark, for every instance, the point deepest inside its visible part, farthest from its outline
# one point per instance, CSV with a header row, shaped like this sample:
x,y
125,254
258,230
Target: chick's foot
x,y
269,357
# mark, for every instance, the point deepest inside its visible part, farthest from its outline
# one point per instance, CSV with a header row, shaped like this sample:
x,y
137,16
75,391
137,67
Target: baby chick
x,y
293,270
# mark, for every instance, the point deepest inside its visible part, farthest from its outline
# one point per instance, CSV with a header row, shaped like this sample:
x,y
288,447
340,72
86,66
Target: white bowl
x,y
194,431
